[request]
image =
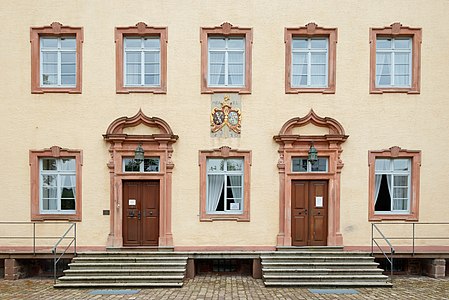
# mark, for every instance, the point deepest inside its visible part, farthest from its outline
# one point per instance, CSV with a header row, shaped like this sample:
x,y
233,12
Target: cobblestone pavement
x,y
230,287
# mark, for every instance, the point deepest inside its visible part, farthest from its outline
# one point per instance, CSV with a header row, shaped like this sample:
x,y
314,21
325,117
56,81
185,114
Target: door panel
x,y
309,213
140,213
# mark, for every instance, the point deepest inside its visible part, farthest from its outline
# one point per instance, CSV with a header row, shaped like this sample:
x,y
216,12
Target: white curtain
x,y
235,68
215,189
216,67
389,186
378,180
383,66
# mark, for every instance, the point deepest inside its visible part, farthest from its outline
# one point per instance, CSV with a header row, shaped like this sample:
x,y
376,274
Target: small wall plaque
x,y
131,201
106,212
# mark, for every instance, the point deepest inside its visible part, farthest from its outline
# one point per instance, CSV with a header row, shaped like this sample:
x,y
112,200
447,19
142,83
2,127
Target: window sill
x,y
56,90
56,217
394,217
154,90
240,90
293,90
244,217
394,90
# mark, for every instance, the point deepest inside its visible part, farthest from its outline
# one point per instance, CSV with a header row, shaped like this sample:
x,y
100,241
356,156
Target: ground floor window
x,y
224,184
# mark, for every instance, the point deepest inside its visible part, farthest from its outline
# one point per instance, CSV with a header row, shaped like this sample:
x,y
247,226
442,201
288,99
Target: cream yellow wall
x,y
373,122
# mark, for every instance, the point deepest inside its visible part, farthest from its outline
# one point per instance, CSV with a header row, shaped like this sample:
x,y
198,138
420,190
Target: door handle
x,y
131,213
138,215
305,212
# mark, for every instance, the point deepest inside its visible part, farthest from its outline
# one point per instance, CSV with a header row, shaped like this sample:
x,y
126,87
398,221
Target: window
x,y
310,54
55,184
395,59
56,59
226,59
394,184
301,164
224,184
150,164
141,60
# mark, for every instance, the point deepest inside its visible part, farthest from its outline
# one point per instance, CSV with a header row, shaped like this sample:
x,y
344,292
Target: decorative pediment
x,y
332,125
116,128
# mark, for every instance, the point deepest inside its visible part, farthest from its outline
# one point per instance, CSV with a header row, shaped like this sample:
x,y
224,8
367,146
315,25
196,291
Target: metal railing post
x,y
74,240
391,266
372,239
34,238
413,240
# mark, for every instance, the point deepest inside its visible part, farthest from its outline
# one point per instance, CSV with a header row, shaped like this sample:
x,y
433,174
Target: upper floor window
x,y
141,62
310,59
56,59
56,184
226,59
395,59
394,184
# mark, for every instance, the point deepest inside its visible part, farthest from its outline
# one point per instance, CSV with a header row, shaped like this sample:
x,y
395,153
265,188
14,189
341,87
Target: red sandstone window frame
x,y
225,153
309,31
226,30
54,30
140,30
54,152
415,159
397,30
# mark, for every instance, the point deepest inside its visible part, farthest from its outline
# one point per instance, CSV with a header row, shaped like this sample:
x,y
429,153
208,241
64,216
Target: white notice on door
x,y
319,201
131,201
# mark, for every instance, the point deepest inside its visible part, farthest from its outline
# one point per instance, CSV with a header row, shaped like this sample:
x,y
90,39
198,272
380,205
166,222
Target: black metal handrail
x,y
55,248
413,238
35,237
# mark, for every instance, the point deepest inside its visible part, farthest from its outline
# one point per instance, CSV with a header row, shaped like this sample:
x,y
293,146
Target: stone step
x,y
116,285
123,279
279,271
316,254
128,259
123,272
135,265
334,284
310,248
131,253
320,278
323,264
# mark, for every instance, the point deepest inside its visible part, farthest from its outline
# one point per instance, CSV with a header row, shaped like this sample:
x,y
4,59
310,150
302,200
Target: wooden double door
x,y
309,212
140,213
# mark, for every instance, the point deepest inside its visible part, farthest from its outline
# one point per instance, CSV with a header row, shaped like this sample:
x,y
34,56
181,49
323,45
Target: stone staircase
x,y
321,267
124,270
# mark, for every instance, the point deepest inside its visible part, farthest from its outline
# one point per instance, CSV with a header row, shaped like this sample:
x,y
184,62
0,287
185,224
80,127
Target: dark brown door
x,y
140,213
309,213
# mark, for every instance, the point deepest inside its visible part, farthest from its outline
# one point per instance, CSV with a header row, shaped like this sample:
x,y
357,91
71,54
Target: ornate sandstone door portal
x,y
133,191
301,191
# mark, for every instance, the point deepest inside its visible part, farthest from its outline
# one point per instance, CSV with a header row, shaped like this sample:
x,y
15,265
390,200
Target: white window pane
x,y
318,69
49,57
235,57
236,43
215,165
401,80
134,57
49,68
133,43
49,192
68,69
402,43
151,164
234,192
68,79
152,43
217,43
133,79
401,180
400,192
217,57
299,165
217,79
401,164
383,43
382,164
402,58
383,70
236,69
318,58
49,164
152,79
400,204
133,68
401,69
68,164
300,58
152,68
48,79
217,69
319,43
68,43
383,80
383,58
68,180
68,57
49,204
299,80
235,79
299,43
318,80
152,57
234,164
299,69
49,42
